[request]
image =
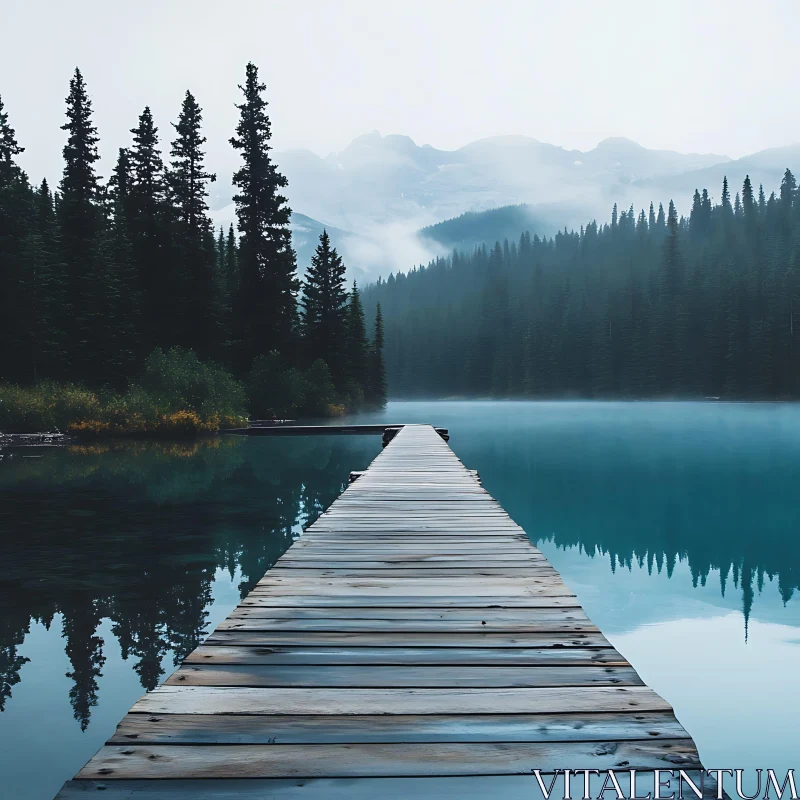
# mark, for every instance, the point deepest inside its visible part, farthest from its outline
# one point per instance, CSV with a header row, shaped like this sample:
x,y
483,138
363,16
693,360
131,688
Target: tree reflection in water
x,y
134,532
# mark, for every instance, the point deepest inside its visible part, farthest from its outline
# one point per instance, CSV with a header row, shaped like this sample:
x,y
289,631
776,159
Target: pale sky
x,y
694,76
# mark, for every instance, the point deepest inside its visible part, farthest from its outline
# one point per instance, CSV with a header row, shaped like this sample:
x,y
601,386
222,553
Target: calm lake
x,y
677,525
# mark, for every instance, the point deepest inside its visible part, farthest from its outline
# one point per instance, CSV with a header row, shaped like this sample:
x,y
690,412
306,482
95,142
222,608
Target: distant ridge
x,y
384,198
472,228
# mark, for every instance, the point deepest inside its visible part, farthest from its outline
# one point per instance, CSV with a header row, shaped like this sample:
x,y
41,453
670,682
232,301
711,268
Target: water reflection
x,y
648,484
121,549
134,533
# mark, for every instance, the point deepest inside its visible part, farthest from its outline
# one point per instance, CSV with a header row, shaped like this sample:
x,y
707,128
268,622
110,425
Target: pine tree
x,y
357,348
159,273
788,193
80,221
193,237
119,188
15,210
232,261
188,177
727,209
266,305
220,252
324,311
375,393
788,188
221,307
696,225
9,149
41,336
748,200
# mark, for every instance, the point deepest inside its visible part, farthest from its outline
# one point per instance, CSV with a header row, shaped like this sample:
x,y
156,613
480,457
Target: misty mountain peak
x,y
618,143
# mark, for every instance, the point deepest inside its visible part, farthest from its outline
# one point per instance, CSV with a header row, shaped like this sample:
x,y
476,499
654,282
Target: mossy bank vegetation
x,y
175,395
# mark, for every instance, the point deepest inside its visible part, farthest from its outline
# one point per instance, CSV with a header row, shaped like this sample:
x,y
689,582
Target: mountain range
x,y
376,194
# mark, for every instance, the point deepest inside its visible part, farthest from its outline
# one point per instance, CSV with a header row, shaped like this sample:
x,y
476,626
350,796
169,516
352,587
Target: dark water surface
x,y
677,524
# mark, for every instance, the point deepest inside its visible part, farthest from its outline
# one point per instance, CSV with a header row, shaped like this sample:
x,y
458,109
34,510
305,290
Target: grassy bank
x,y
176,395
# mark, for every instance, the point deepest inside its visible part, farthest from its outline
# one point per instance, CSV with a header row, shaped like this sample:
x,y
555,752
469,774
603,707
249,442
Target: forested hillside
x,y
648,305
473,228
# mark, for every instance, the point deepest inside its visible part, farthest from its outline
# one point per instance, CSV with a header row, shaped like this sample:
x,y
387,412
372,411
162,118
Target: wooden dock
x,y
412,644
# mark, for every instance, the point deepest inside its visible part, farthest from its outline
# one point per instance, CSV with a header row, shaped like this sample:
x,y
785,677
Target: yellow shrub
x,y
180,423
89,427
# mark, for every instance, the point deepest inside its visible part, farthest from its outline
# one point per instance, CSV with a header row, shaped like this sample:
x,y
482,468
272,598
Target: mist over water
x,y
674,523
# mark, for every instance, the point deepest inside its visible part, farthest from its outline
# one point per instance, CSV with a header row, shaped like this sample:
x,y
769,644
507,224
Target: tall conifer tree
x,y
232,261
375,394
19,286
188,181
159,273
324,311
357,347
80,220
266,304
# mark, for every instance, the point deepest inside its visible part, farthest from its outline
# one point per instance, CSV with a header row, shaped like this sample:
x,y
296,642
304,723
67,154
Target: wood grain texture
x,y
406,656
224,700
401,677
168,762
313,729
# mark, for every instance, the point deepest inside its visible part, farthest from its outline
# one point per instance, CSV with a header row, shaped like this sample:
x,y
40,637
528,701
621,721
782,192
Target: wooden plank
x,y
213,700
353,588
418,556
254,729
410,573
378,760
308,430
419,677
277,600
432,639
394,626
209,653
384,559
392,591
575,613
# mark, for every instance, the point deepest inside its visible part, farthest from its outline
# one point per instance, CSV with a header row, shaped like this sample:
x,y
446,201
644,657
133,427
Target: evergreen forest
x,y
649,305
98,276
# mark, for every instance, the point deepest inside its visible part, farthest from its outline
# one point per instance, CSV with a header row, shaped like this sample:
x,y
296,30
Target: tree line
x,y
648,305
95,275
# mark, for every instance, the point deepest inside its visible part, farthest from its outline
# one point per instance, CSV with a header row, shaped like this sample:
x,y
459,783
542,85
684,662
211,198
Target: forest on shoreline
x,y
123,311
647,306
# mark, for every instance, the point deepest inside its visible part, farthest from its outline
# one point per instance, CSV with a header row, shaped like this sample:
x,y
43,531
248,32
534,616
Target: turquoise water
x,y
675,523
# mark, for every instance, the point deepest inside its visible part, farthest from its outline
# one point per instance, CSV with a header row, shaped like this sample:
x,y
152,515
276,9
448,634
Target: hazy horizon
x,y
571,75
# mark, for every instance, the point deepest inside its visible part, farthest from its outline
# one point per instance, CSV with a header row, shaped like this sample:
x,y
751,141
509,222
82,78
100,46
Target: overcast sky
x,y
696,76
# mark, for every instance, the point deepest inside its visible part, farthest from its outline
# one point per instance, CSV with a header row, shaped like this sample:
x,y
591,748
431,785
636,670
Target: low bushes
x,y
277,392
176,395
46,406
